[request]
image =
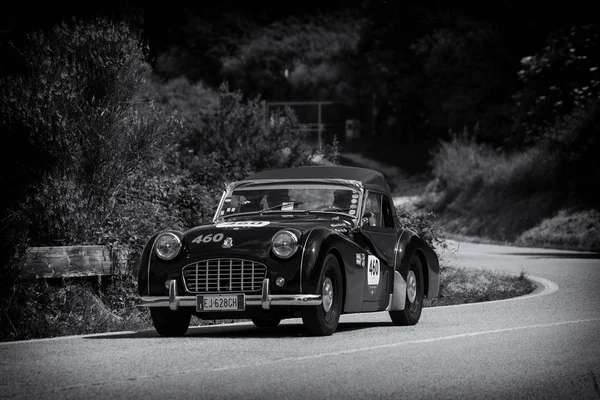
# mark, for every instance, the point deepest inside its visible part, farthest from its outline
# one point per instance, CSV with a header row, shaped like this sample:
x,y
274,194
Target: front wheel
x,y
414,295
170,323
322,320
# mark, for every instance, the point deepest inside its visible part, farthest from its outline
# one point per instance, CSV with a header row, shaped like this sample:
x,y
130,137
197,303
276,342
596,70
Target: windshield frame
x,y
291,184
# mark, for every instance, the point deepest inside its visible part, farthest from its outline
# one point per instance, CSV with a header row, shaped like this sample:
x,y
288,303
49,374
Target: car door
x,y
379,235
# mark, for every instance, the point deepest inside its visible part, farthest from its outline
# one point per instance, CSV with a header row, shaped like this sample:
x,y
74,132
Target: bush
x,y
424,225
484,192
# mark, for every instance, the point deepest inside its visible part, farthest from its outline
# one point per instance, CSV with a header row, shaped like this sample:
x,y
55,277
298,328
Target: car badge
x,y
227,243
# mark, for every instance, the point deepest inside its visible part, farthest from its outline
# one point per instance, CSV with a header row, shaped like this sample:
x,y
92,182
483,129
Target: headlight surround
x,y
284,244
167,245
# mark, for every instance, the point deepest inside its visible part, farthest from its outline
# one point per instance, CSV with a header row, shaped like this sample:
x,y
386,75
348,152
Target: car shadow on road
x,y
241,331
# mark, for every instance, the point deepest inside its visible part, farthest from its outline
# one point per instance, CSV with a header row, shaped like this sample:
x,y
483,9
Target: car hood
x,y
251,235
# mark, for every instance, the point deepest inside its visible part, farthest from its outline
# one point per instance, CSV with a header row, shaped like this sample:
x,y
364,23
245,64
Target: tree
x,y
73,120
560,79
297,58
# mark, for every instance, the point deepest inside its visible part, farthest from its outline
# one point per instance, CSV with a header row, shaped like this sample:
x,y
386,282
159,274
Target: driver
x,y
342,198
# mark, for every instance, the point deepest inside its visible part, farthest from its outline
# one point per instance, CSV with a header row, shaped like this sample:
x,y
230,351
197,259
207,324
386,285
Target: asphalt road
x,y
545,345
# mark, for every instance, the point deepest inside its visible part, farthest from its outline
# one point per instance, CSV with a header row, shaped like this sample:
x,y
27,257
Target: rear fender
x,y
409,243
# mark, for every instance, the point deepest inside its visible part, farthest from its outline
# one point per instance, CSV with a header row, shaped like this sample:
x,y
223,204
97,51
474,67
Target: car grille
x,y
224,275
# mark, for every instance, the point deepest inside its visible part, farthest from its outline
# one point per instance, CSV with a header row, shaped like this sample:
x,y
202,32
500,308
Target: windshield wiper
x,y
285,203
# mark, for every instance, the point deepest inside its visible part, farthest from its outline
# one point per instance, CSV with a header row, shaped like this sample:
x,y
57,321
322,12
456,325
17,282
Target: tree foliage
x,y
74,121
240,138
314,50
562,78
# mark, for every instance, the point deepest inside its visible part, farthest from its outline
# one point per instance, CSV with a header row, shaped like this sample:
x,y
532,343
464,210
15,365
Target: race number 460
x,y
208,238
373,270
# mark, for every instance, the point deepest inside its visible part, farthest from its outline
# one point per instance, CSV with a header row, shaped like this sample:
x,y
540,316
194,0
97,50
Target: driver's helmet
x,y
276,197
342,198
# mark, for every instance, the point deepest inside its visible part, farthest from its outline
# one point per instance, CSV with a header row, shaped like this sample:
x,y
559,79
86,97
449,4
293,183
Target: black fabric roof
x,y
370,179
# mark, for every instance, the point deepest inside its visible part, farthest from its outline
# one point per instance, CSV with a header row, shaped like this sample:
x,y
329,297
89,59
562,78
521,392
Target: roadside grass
x,y
461,286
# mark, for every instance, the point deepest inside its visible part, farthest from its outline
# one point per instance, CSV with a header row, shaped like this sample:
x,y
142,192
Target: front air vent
x,y
224,275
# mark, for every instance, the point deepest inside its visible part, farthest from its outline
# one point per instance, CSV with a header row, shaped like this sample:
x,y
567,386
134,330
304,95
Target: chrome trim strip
x,y
173,298
264,297
251,300
389,306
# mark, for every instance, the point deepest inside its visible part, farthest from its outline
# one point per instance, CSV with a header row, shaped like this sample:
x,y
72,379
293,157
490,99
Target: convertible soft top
x,y
369,178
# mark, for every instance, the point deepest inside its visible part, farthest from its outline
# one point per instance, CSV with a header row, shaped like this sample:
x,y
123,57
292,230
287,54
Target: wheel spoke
x,y
411,286
327,294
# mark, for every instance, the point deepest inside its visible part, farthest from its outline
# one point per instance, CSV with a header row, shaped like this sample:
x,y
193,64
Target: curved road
x,y
545,345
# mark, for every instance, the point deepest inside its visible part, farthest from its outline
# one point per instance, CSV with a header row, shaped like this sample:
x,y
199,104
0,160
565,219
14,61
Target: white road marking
x,y
399,344
163,374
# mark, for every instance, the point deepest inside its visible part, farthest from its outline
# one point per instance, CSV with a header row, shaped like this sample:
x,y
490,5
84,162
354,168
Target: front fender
x,y
319,243
312,259
143,266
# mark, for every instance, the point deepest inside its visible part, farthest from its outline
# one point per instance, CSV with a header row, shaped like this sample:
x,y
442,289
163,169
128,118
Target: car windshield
x,y
291,198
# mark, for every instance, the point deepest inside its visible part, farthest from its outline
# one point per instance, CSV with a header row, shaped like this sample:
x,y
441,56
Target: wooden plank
x,y
73,261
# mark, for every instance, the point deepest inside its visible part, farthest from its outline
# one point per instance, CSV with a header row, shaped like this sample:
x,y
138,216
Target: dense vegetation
x,y
112,128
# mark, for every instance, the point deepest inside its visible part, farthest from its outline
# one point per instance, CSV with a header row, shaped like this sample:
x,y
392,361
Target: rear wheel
x,y
414,295
266,322
322,320
170,323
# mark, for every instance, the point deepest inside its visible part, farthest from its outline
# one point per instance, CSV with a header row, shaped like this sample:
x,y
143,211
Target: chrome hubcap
x,y
411,286
327,294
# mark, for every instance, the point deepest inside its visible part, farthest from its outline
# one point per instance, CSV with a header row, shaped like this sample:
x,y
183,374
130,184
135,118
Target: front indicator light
x,y
280,281
284,244
167,245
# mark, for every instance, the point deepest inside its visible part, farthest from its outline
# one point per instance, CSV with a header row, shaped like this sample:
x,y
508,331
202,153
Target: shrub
x,y
424,225
484,192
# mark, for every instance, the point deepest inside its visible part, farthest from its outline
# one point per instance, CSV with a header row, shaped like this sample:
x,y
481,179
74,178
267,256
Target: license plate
x,y
220,302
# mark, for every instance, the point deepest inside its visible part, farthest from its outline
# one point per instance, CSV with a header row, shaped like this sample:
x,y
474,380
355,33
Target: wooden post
x,y
73,261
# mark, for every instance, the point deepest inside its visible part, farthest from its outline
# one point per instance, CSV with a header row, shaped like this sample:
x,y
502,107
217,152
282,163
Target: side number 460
x,y
208,238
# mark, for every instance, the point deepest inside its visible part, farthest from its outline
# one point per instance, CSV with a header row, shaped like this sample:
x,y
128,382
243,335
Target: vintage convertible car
x,y
311,242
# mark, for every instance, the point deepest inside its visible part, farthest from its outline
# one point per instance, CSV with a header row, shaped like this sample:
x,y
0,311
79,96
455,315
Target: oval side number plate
x,y
220,302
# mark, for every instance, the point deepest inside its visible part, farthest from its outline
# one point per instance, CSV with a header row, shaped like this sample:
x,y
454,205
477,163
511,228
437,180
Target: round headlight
x,y
285,244
167,245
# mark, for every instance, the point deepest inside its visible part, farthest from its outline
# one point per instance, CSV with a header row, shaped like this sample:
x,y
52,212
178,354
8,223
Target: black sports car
x,y
311,242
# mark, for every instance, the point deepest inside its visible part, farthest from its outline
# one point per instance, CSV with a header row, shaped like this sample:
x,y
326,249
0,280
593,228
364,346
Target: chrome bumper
x,y
264,300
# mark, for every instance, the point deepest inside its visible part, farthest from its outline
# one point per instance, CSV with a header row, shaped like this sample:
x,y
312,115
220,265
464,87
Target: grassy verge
x,y
461,286
72,307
